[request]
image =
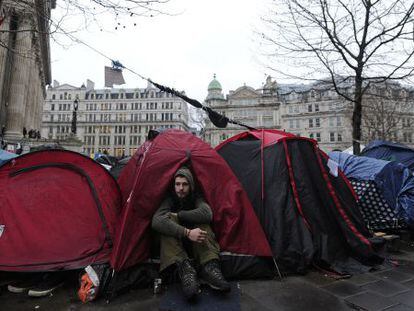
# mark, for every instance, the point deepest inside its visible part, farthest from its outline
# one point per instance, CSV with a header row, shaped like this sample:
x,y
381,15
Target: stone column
x,y
4,69
36,101
39,104
30,96
19,81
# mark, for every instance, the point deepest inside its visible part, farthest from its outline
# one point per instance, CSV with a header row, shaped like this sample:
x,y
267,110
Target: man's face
x,y
182,187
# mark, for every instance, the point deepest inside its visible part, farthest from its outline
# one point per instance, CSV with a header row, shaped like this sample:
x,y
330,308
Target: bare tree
x,y
104,14
363,41
384,112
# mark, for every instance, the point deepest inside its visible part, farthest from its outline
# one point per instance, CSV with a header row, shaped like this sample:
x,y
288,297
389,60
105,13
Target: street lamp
x,y
74,116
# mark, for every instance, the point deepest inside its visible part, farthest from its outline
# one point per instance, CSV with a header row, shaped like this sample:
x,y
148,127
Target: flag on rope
x,y
113,75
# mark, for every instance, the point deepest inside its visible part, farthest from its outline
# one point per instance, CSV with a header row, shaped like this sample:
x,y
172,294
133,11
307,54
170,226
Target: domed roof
x,y
214,85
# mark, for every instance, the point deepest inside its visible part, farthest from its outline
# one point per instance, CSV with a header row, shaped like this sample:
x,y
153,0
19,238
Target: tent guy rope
x,y
216,118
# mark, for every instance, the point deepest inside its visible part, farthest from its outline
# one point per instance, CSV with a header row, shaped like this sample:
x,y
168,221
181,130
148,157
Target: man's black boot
x,y
211,274
188,277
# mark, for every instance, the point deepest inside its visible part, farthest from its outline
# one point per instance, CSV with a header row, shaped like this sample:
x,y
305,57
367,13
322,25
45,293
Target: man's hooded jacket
x,y
190,210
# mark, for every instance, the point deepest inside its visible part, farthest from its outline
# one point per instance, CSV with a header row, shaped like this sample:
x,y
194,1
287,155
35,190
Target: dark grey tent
x,y
309,216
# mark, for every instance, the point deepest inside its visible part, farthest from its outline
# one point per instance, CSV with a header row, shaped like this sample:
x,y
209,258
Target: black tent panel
x,y
309,216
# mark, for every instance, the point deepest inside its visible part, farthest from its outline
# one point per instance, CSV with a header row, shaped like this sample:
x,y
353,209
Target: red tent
x,y
59,210
146,179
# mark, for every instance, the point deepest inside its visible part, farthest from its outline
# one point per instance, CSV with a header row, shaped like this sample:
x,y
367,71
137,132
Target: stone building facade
x,y
24,64
115,121
315,111
257,108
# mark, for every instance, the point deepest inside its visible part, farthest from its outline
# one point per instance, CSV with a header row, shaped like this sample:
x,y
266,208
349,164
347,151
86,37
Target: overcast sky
x,y
182,51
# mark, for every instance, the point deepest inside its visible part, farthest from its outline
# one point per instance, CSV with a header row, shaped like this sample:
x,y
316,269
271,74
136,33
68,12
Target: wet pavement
x,y
389,288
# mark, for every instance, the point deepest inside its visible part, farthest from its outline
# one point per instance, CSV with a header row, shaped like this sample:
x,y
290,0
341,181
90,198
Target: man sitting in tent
x,y
183,220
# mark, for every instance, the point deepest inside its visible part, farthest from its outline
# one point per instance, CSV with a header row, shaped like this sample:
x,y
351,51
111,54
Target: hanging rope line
x,y
216,118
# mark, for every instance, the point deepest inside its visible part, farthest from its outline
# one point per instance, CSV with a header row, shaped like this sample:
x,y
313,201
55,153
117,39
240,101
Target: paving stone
x,y
400,307
386,288
406,298
292,294
406,268
250,304
370,301
394,275
208,300
318,279
409,283
343,288
363,279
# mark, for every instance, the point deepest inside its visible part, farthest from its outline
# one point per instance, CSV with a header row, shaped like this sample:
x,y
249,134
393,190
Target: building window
x,y
316,107
310,108
339,137
291,123
317,122
53,96
407,137
318,137
310,122
338,121
331,136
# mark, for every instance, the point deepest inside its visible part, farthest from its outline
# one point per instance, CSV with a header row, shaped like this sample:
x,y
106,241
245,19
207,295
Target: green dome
x,y
214,85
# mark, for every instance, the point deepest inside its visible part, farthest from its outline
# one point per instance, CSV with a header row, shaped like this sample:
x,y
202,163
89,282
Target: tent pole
x,y
277,268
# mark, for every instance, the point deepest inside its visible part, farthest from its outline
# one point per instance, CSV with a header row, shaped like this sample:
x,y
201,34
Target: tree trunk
x,y
357,115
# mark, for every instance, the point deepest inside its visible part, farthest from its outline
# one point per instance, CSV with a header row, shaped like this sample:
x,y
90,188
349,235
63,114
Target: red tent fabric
x,y
58,210
147,177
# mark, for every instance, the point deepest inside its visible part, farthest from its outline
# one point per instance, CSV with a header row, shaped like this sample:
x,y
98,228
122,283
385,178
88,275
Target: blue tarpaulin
x,y
394,180
380,149
6,156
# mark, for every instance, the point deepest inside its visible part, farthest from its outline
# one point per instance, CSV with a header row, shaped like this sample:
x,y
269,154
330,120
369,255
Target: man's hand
x,y
197,235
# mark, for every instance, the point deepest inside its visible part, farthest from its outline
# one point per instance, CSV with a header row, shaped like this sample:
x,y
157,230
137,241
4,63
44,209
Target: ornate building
x,y
115,121
24,64
315,111
256,108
